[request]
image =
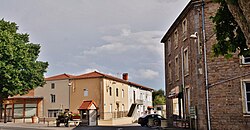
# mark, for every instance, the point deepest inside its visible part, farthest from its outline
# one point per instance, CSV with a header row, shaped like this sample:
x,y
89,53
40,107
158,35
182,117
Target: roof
x,y
96,74
87,104
24,97
59,77
178,20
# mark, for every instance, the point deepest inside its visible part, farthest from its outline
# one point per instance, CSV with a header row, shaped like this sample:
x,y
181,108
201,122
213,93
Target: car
x,y
145,120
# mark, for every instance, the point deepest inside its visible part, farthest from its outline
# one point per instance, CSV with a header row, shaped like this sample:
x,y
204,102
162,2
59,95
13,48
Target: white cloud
x,y
113,36
148,74
127,42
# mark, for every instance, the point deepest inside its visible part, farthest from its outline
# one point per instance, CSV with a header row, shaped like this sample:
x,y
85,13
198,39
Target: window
x,y
52,85
169,46
54,113
246,95
123,107
122,93
52,98
85,92
176,39
176,67
30,110
188,96
110,91
169,72
110,108
245,60
186,61
184,29
117,91
18,110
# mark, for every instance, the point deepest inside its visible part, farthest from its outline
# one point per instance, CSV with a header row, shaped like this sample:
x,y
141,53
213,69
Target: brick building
x,y
228,79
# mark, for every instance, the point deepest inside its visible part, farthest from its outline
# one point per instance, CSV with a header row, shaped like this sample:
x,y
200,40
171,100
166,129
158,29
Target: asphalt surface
x,y
41,126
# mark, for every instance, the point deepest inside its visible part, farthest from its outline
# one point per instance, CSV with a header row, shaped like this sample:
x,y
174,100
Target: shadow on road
x,y
111,128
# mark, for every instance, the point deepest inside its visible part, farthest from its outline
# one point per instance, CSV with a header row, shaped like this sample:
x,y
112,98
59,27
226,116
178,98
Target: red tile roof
x,y
59,77
96,74
87,104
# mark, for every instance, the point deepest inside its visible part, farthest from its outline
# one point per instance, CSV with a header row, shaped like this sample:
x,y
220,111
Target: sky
x,y
109,36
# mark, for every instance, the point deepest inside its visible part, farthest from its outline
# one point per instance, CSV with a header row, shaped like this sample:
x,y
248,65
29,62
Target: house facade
x,y
22,108
110,94
55,94
228,79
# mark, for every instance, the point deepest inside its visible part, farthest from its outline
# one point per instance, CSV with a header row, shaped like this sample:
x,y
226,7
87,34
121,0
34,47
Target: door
x,y
92,117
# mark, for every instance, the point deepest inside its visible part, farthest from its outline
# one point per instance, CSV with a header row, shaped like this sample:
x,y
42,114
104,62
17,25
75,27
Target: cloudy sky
x,y
110,36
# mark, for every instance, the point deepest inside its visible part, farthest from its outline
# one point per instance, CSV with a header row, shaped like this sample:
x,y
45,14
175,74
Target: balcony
x,y
139,101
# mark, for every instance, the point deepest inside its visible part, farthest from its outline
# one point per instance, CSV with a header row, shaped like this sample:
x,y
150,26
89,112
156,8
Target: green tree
x,y
158,97
232,26
159,100
20,71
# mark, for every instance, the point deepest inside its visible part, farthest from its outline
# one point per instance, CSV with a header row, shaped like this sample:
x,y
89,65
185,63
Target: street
x,y
26,126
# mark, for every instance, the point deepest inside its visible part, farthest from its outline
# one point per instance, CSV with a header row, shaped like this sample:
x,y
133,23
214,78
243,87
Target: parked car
x,y
144,120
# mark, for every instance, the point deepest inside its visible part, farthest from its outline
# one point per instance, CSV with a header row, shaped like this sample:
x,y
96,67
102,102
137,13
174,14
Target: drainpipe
x,y
205,66
183,84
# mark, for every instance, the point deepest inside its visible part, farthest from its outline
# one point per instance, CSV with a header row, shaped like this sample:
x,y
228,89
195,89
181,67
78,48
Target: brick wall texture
x,y
226,101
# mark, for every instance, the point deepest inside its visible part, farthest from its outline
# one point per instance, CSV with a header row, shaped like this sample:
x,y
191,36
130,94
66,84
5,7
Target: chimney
x,y
125,76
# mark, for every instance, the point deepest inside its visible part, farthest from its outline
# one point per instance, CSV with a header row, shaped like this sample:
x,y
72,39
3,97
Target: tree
x,y
159,100
232,26
158,97
19,69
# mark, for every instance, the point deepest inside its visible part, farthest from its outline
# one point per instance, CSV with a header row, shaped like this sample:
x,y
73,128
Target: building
x,y
55,94
185,75
114,97
22,108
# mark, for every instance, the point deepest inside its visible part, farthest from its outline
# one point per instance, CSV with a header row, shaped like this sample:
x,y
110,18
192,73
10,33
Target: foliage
x,y
19,69
228,33
159,100
159,97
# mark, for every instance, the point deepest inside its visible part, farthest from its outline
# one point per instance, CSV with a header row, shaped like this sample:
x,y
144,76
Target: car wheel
x,y
156,123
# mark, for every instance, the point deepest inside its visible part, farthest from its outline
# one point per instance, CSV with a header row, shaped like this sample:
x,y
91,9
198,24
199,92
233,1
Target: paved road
x,y
113,128
26,126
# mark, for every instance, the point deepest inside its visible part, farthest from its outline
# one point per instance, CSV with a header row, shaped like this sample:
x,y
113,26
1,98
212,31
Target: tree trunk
x,y
1,107
241,13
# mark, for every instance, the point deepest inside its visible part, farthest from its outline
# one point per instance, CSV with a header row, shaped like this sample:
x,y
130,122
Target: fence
x,y
113,115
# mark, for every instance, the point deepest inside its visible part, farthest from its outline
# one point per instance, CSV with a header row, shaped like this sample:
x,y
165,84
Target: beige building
x,y
112,95
55,95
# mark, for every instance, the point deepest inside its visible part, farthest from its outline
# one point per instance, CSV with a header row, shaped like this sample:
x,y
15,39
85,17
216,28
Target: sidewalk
x,y
35,125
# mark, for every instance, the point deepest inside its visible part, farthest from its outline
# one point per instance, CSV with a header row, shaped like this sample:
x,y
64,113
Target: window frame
x,y
170,72
177,68
117,92
110,91
122,93
53,86
186,61
184,29
52,98
243,60
244,96
85,92
176,39
169,46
